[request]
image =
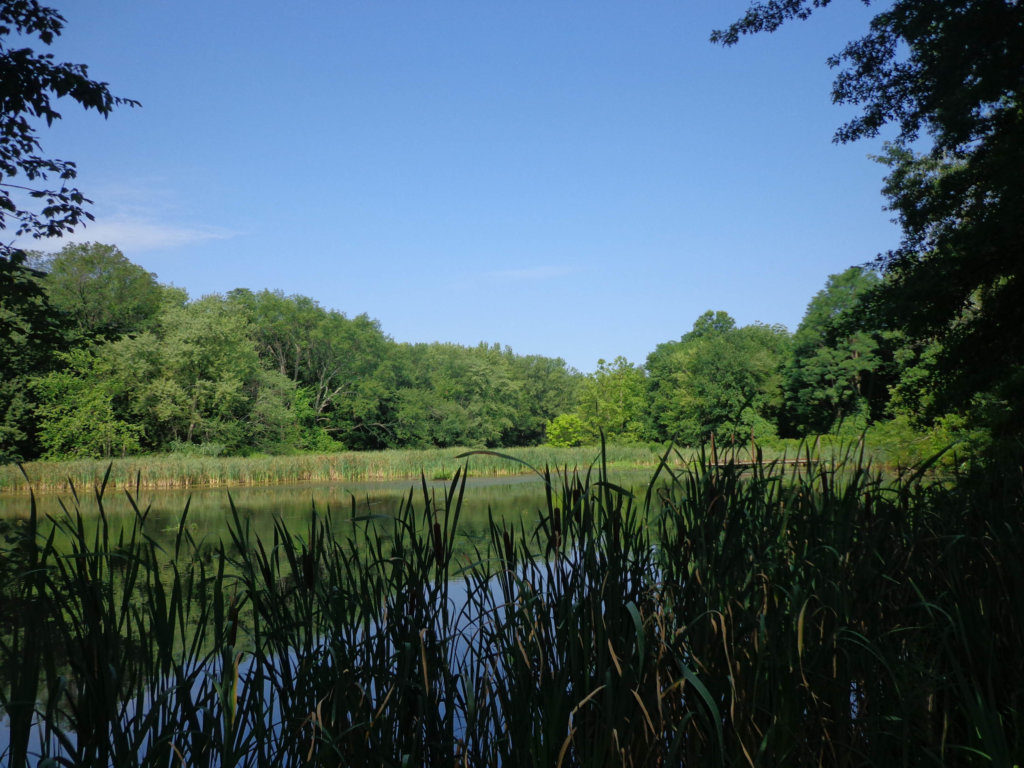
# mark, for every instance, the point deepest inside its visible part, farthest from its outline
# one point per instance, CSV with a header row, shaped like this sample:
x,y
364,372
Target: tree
x,y
102,294
31,84
949,71
547,387
30,334
282,326
612,401
454,395
332,358
210,381
709,323
194,381
717,378
567,430
834,372
78,413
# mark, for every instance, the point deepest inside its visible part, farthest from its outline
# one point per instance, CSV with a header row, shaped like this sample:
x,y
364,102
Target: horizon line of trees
x,y
935,339
106,361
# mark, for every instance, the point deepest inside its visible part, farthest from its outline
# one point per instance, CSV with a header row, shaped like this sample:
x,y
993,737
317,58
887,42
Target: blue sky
x,y
574,179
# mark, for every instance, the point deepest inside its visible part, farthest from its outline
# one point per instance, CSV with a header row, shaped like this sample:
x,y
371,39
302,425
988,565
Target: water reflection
x,y
514,499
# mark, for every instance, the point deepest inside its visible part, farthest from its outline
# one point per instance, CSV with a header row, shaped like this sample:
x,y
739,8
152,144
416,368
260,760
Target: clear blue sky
x,y
574,179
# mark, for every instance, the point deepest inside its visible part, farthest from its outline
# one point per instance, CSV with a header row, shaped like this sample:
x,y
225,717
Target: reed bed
x,y
731,613
186,471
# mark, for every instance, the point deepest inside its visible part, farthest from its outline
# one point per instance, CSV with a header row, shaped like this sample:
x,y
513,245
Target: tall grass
x,y
188,471
727,614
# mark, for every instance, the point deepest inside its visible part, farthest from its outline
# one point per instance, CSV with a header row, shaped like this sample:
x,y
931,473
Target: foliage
x,y
195,379
31,204
547,388
837,368
101,293
955,286
948,71
259,372
364,391
76,413
453,395
612,402
144,369
30,334
717,379
567,430
338,362
32,84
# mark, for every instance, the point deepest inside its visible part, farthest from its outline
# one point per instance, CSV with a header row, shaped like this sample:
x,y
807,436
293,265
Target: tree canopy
x,y
946,74
100,292
717,378
30,85
36,199
834,365
103,360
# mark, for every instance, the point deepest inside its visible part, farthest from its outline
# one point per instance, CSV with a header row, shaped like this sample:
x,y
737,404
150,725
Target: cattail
x,y
438,544
308,570
509,548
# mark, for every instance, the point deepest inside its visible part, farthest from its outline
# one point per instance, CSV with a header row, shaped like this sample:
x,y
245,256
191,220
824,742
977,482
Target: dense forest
x,y
110,362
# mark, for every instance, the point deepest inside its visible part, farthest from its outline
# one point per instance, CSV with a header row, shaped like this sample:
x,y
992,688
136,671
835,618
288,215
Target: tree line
x,y
842,371
107,361
932,336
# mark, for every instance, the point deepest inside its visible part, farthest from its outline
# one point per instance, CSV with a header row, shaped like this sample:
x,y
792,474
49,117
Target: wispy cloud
x,y
544,272
135,234
138,217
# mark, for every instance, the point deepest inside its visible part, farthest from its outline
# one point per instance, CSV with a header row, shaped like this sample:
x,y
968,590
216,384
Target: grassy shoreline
x,y
183,471
177,471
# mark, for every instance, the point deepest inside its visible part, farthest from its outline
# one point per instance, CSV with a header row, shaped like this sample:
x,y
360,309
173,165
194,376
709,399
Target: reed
x,y
732,612
187,471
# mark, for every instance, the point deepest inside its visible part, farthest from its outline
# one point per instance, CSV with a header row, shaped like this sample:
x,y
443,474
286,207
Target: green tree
x,y
211,379
837,368
567,430
31,333
101,292
612,400
342,376
454,395
281,327
334,359
79,415
196,379
711,322
36,199
546,387
946,76
717,378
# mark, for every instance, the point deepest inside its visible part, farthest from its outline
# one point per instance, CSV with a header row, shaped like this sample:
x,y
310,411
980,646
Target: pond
x,y
513,499
516,500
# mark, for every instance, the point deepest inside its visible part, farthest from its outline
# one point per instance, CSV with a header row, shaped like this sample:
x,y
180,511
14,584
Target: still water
x,y
516,500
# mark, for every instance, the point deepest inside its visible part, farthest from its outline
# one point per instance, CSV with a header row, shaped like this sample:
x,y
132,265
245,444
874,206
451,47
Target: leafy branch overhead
x,y
947,76
35,196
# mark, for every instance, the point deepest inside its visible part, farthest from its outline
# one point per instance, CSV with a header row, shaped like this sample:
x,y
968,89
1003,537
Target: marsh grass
x,y
192,471
753,613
